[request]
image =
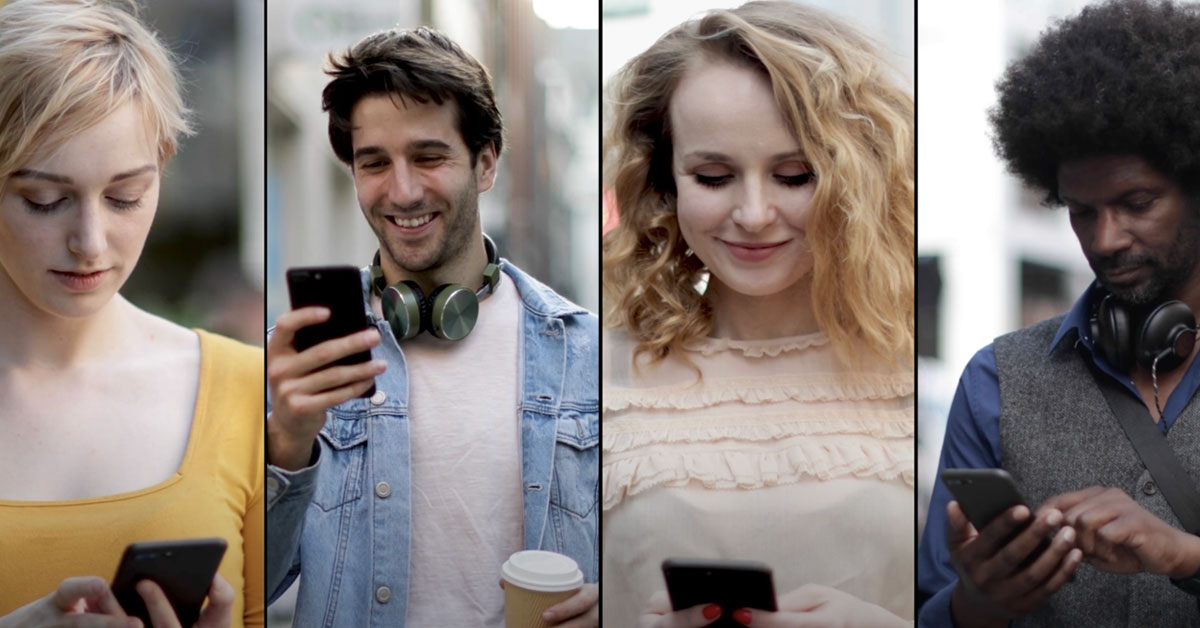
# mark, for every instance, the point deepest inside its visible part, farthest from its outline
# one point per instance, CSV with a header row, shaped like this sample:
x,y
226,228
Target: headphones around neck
x,y
1161,340
450,311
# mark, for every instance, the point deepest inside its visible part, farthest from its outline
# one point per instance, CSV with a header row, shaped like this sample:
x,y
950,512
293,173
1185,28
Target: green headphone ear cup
x,y
402,304
453,311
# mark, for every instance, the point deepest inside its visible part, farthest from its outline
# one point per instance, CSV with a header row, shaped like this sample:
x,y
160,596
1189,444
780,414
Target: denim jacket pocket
x,y
343,450
577,463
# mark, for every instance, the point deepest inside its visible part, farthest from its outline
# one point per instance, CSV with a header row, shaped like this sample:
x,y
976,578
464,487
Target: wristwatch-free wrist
x,y
1190,584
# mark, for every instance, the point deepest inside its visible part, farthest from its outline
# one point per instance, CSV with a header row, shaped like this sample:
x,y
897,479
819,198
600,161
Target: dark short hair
x,y
422,64
1122,77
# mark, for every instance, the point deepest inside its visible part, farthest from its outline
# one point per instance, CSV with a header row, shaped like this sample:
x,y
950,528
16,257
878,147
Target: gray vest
x,y
1057,435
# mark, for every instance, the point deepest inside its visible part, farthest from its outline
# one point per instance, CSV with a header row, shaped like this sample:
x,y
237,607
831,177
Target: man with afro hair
x,y
1102,117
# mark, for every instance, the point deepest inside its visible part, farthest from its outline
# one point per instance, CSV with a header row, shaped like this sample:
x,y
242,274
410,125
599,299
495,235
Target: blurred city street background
x,y
203,262
543,211
990,257
544,208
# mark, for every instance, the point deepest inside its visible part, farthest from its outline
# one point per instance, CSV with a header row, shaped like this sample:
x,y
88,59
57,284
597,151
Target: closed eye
x,y
429,160
124,205
1140,204
374,164
43,208
713,182
796,180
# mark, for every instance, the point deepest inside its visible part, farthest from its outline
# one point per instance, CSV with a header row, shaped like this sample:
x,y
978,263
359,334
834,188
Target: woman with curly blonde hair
x,y
758,389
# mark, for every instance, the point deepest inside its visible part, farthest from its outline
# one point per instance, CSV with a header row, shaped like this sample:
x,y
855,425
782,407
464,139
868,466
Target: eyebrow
x,y
372,151
713,156
1140,189
57,178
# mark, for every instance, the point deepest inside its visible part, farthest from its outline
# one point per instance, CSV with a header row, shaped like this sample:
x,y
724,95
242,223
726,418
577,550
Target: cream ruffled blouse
x,y
777,454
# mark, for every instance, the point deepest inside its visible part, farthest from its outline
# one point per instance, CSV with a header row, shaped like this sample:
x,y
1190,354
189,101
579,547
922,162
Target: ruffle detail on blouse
x,y
808,458
757,348
868,386
617,440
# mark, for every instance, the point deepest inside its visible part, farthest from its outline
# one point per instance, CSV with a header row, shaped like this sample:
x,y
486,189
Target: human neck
x,y
36,340
740,317
464,268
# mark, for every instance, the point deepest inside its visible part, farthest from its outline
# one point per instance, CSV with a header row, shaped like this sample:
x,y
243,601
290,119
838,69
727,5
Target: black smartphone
x,y
184,569
732,584
338,288
983,495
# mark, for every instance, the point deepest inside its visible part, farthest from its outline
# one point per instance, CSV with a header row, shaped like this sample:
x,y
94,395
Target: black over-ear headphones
x,y
450,311
1166,335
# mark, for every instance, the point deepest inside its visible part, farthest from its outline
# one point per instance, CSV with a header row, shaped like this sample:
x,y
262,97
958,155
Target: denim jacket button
x,y
383,490
383,594
378,398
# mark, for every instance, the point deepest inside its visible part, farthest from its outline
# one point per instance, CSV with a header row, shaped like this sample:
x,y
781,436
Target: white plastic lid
x,y
539,570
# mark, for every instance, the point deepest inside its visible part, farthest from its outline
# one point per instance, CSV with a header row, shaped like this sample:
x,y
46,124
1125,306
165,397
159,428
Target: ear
x,y
485,167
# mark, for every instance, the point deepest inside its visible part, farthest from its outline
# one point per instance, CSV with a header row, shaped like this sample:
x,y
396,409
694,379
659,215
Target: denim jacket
x,y
345,520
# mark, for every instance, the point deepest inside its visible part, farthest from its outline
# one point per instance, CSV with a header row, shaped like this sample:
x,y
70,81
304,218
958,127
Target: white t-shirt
x,y
466,467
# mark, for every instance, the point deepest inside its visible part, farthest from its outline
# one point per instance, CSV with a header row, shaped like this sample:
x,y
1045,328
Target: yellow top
x,y
217,491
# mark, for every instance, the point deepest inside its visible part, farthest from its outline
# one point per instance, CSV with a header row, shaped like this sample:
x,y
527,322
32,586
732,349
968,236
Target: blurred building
x,y
202,264
991,258
544,207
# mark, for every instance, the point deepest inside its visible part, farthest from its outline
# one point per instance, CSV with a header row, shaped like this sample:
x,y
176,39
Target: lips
x,y
1123,274
413,224
753,251
80,281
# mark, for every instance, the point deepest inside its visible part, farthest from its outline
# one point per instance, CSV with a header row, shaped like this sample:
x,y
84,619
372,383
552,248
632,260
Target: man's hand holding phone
x,y
994,583
303,384
1120,536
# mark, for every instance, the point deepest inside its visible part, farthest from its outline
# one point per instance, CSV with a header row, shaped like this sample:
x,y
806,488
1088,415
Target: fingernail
x,y
711,611
1020,513
379,366
548,616
1054,518
742,616
1069,534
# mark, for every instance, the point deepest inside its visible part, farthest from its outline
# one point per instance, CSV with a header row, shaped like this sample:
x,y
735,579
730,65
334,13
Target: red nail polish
x,y
711,611
742,616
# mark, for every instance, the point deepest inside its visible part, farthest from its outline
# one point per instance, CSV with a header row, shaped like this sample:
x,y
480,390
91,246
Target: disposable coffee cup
x,y
535,580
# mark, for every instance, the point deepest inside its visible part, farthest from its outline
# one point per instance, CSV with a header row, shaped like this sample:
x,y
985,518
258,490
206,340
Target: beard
x,y
460,218
1169,269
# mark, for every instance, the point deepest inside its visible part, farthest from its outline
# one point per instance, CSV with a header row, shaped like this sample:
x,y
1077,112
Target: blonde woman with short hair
x,y
758,387
119,426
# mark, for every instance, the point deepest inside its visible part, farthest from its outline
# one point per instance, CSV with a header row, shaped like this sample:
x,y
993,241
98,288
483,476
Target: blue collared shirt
x,y
973,442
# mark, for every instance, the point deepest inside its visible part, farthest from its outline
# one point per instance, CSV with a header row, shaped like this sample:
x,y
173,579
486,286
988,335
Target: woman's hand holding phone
x,y
84,602
218,613
813,605
658,614
303,385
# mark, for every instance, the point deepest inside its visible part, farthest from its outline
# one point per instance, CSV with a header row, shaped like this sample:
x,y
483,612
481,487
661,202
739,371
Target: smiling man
x,y
482,436
1101,117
